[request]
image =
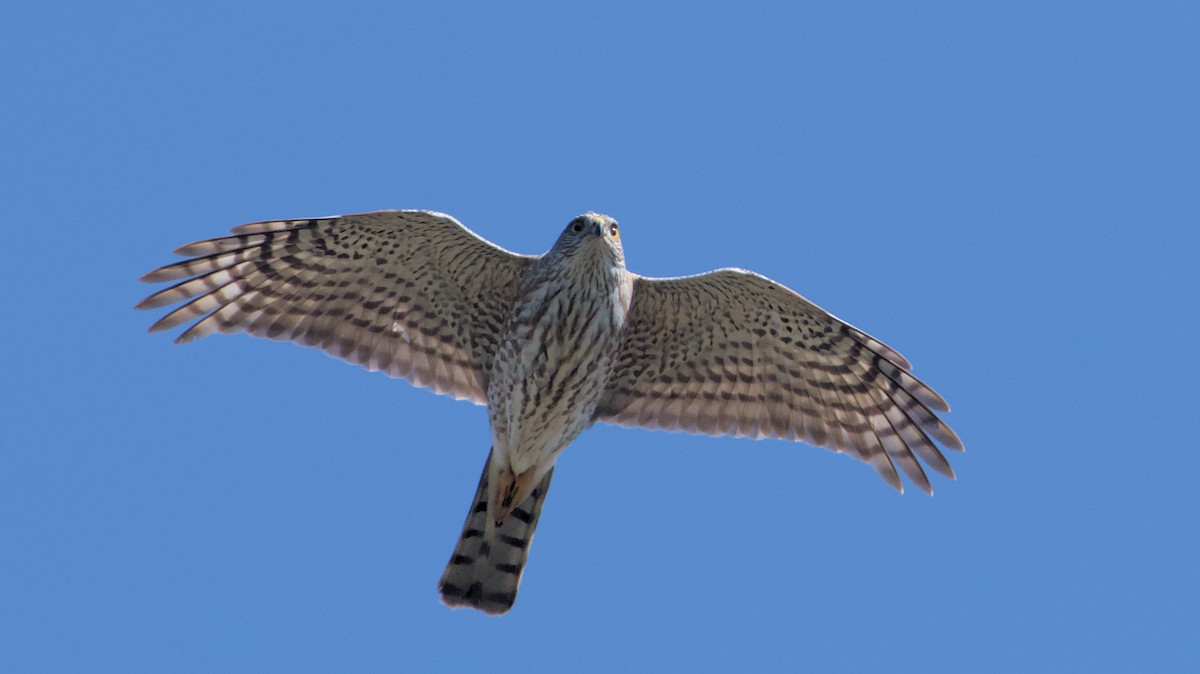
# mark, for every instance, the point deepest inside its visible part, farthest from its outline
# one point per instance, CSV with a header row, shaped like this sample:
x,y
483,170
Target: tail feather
x,y
486,566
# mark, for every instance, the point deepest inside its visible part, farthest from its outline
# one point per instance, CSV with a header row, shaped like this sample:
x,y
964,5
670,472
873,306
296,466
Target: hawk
x,y
553,343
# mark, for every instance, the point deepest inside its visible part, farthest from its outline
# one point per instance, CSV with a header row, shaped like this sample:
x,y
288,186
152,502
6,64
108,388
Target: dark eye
x,y
577,226
612,230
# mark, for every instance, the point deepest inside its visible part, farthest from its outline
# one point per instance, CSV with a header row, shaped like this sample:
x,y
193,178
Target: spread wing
x,y
731,352
411,293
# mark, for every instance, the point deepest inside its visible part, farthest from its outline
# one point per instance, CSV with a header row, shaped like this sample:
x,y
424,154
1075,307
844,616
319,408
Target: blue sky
x,y
1005,193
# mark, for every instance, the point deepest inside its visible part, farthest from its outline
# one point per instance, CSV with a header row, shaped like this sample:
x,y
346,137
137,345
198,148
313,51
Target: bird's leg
x,y
513,490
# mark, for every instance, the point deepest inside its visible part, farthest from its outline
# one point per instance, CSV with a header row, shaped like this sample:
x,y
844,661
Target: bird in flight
x,y
551,344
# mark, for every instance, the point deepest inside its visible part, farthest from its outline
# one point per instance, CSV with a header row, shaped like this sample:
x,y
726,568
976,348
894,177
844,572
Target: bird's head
x,y
593,235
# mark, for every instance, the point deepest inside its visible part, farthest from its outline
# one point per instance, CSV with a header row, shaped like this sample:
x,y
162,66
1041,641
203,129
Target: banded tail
x,y
485,569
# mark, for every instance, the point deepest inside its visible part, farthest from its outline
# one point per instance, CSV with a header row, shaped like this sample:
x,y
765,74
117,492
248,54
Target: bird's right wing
x,y
414,294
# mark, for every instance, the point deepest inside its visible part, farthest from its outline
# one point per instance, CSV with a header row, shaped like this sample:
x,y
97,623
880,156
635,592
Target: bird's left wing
x,y
411,293
731,352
